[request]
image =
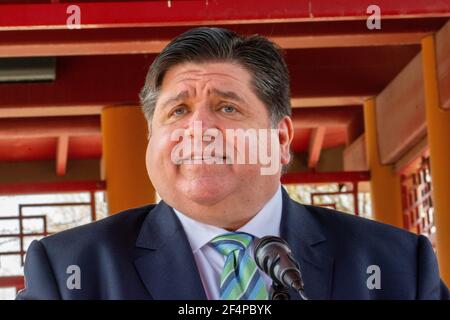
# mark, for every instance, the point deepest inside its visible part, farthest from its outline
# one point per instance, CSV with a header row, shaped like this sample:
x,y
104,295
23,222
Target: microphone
x,y
274,257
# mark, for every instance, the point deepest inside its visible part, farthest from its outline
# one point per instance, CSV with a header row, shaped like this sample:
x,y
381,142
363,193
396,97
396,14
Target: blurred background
x,y
370,95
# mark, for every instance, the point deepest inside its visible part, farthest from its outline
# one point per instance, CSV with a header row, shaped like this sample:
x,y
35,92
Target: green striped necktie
x,y
240,278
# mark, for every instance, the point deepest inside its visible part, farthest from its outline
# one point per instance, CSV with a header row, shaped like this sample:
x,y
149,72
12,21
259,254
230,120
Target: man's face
x,y
218,96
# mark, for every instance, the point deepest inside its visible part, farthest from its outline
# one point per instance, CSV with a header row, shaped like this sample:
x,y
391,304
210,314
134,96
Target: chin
x,y
203,200
207,191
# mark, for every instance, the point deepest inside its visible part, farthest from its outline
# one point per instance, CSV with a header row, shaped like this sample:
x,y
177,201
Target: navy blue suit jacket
x,y
143,253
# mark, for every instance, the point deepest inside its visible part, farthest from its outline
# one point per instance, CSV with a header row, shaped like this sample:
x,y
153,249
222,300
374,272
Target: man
x,y
197,242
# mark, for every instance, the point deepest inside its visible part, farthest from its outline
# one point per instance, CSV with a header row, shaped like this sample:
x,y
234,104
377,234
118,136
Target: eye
x,y
228,109
179,111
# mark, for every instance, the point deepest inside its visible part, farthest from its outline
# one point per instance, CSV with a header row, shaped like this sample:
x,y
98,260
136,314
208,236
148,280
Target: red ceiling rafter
x,y
325,177
202,12
315,146
62,152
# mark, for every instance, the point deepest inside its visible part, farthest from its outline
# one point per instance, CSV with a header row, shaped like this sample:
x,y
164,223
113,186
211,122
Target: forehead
x,y
200,75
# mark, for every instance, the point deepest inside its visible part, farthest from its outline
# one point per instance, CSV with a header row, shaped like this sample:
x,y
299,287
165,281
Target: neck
x,y
223,215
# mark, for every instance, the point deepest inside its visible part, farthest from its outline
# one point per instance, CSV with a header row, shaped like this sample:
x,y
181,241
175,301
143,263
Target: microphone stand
x,y
279,292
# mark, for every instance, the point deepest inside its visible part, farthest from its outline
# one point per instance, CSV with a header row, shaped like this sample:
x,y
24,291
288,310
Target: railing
x,y
418,211
348,177
18,281
12,282
354,193
21,233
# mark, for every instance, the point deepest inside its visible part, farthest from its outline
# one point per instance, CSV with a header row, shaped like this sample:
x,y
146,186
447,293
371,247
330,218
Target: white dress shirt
x,y
209,261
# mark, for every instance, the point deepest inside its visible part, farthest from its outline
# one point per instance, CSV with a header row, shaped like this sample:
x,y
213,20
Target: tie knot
x,y
229,242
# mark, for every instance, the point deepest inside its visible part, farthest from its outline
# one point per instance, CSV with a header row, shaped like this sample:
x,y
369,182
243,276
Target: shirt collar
x,y
265,223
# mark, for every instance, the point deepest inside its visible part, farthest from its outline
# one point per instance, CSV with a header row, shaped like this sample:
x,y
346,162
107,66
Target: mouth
x,y
204,160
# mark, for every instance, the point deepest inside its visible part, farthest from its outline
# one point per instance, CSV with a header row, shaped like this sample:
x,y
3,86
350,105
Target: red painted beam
x,y
203,12
12,281
315,146
62,152
51,187
324,117
27,43
389,8
153,13
324,177
49,127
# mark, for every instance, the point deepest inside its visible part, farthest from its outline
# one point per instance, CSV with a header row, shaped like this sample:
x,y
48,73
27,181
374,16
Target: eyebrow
x,y
180,96
185,94
228,95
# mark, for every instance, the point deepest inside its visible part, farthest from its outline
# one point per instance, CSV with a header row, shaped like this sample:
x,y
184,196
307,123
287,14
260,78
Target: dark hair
x,y
261,57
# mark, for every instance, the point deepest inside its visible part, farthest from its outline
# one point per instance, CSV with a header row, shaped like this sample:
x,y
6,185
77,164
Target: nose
x,y
201,120
202,129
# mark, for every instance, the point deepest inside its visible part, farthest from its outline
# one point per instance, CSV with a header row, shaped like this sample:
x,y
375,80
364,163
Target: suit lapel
x,y
309,247
165,261
167,267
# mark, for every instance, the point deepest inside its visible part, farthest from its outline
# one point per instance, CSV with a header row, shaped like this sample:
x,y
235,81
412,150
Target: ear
x,y
285,136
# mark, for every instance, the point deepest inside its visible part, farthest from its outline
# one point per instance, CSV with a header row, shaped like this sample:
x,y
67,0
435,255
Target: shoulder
x,y
406,261
342,228
121,228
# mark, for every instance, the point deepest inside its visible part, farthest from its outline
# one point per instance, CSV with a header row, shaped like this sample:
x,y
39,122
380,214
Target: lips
x,y
202,159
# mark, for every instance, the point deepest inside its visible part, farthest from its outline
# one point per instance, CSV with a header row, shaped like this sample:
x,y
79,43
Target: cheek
x,y
158,154
148,159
